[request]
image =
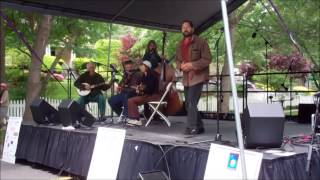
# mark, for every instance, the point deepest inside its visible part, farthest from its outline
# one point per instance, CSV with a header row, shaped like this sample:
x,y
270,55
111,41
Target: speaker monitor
x,y
263,125
43,112
71,113
305,111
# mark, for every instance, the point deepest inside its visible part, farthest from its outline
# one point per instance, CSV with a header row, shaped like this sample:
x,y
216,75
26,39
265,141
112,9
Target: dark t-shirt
x,y
92,80
151,80
154,59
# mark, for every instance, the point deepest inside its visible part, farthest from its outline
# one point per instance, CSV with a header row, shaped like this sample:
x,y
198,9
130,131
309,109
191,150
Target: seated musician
x,y
89,81
152,55
148,91
131,79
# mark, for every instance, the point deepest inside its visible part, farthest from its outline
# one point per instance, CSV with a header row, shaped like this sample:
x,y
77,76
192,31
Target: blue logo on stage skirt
x,y
233,161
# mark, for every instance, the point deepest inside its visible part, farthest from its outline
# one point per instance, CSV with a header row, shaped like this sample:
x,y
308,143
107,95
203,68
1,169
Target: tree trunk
x,y
2,50
34,79
66,56
225,83
234,19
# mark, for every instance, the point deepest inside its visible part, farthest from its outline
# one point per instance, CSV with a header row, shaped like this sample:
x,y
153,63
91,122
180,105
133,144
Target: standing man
x,y
193,58
90,80
4,104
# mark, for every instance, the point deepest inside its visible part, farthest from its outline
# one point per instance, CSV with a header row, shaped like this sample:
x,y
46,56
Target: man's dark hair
x,y
187,21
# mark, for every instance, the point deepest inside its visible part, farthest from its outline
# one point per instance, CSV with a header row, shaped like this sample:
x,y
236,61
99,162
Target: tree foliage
x,y
127,42
294,62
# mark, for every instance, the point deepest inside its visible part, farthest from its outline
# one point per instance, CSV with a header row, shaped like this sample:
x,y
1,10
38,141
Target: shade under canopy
x,y
157,14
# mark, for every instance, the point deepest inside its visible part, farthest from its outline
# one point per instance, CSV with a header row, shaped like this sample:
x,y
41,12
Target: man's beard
x,y
187,34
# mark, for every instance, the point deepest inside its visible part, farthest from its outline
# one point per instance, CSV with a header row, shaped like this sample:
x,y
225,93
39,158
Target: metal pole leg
x,y
233,86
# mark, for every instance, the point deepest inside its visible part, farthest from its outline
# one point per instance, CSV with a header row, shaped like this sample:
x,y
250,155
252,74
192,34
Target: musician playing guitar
x,y
89,81
126,88
148,91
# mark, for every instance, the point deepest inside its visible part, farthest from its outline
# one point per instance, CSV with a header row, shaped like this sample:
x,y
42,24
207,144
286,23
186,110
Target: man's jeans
x,y
83,100
120,100
192,96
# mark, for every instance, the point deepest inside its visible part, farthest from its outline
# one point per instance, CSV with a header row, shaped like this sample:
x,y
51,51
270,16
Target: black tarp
x,y
72,151
158,14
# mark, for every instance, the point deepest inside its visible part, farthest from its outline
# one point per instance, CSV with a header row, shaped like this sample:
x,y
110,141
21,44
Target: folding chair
x,y
156,104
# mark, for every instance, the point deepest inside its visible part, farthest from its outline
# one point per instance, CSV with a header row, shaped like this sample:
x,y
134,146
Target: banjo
x,y
85,92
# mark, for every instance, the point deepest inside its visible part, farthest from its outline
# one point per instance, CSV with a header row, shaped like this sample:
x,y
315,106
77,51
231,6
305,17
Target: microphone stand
x,y
70,75
219,97
267,44
113,73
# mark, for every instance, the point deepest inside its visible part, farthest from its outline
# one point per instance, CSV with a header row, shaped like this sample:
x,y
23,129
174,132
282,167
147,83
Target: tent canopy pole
x,y
233,86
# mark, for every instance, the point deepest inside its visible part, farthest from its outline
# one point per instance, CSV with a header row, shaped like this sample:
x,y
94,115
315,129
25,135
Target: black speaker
x,y
305,111
71,113
263,125
153,175
44,113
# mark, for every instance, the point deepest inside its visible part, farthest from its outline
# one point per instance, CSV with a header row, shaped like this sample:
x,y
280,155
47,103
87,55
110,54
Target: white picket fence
x,y
16,108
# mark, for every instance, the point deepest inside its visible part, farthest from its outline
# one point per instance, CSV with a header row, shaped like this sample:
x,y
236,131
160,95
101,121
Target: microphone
x,y
113,68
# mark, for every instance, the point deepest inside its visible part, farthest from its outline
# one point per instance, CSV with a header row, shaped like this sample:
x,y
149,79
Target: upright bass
x,y
167,74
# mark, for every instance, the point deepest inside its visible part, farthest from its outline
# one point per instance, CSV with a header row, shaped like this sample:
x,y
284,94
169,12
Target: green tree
x,y
101,51
34,82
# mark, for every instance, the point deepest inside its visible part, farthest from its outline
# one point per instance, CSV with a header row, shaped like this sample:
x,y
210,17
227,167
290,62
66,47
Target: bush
x,y
17,90
47,62
17,59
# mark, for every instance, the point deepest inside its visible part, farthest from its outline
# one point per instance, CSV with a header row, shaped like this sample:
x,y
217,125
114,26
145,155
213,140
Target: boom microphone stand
x,y
267,44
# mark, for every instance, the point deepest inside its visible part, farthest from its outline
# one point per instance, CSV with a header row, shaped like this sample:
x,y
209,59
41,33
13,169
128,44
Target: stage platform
x,y
158,147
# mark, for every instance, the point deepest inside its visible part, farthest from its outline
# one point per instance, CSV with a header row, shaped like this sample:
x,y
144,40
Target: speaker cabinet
x,y
71,113
44,113
263,125
305,111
